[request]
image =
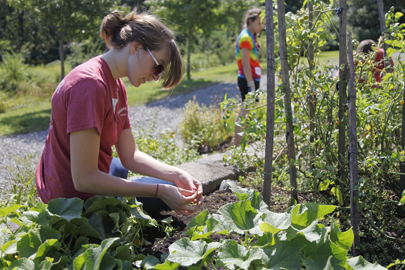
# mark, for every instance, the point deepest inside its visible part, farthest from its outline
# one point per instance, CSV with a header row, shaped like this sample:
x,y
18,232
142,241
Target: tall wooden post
x,y
402,165
287,99
342,90
353,165
268,166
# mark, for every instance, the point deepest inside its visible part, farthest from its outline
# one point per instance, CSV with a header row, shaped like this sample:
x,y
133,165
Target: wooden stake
x,y
268,166
342,91
353,165
287,99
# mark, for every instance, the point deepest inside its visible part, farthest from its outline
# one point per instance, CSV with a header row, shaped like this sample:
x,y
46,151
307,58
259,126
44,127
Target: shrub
x,y
13,71
205,126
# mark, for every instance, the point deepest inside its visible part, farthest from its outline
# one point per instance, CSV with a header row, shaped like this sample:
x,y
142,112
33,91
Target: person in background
x,y
247,58
369,46
366,47
90,115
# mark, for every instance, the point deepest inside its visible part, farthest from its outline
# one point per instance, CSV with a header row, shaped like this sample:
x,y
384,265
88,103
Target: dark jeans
x,y
150,204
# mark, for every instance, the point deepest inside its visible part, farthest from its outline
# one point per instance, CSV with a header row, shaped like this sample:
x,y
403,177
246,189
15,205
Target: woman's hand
x,y
188,185
179,202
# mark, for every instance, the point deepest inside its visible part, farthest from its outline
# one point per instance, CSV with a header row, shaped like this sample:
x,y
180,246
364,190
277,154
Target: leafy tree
x,y
190,17
362,15
71,20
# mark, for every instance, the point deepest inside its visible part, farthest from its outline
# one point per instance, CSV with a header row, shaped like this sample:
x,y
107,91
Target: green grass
x,y
36,117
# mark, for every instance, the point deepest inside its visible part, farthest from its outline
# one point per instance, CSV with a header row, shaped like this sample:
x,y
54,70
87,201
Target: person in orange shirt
x,y
247,58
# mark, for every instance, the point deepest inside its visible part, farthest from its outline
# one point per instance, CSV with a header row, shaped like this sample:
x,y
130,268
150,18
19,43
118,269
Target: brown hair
x,y
251,16
150,33
366,46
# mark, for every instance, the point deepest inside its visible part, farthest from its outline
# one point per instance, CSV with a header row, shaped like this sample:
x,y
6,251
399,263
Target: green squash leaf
x,y
93,255
252,195
240,216
66,208
46,264
359,263
47,249
22,264
342,239
187,252
10,209
29,243
304,215
232,254
283,255
316,255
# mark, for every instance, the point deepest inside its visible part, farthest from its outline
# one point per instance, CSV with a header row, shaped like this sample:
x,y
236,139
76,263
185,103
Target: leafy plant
x,y
268,240
101,233
163,146
205,126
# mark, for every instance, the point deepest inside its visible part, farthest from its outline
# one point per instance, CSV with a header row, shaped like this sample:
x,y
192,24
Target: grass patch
x,y
25,120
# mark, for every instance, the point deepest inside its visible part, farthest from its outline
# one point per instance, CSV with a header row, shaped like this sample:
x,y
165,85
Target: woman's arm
x,y
135,160
246,64
84,147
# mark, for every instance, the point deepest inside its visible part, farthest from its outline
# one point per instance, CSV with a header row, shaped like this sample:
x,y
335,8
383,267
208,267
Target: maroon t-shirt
x,y
87,97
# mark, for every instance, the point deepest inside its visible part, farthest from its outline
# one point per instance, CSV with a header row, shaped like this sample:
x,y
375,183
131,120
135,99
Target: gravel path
x,y
26,149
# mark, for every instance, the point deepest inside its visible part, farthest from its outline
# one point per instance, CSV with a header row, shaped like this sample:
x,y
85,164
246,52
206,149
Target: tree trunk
x,y
342,91
353,165
287,99
268,166
61,55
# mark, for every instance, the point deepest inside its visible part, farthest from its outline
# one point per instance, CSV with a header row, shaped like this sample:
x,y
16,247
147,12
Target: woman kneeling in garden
x,y
90,115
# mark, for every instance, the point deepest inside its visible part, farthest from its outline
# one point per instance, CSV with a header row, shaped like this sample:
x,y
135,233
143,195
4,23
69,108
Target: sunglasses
x,y
159,68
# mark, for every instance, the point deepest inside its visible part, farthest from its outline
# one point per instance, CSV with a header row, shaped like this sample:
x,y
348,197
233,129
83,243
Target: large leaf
x,y
81,227
342,239
304,215
47,249
283,255
279,220
187,252
240,216
211,225
92,257
150,262
8,210
232,254
22,264
30,217
252,195
103,203
200,219
359,263
6,240
316,255
313,233
46,264
66,208
29,244
96,220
